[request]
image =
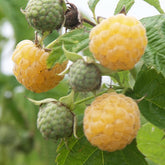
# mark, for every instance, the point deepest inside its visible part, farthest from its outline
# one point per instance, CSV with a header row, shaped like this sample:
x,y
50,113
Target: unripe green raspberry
x,y
118,42
84,76
45,15
55,120
111,122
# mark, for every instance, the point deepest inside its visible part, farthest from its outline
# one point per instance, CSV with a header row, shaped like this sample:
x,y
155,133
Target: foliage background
x,y
15,110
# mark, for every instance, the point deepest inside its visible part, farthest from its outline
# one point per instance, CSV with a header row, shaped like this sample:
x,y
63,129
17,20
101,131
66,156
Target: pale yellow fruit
x,y
118,42
31,70
112,121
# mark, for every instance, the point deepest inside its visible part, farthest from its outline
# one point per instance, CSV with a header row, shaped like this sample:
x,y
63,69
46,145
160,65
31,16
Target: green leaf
x,y
68,100
87,52
73,41
123,78
128,156
150,162
92,5
151,143
71,55
163,28
56,56
127,3
156,4
83,153
51,37
155,54
150,83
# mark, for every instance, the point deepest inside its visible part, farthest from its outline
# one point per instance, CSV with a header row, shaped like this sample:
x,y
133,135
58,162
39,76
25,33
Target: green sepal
x,y
68,100
71,55
44,101
104,70
64,72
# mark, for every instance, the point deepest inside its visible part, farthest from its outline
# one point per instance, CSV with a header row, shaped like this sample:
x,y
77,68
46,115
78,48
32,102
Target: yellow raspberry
x,y
111,122
118,42
30,67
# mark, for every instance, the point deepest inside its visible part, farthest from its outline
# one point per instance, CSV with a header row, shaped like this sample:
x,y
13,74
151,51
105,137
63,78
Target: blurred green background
x,y
20,141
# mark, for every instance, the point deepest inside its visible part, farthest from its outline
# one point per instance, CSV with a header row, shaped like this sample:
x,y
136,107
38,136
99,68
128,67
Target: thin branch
x,y
88,21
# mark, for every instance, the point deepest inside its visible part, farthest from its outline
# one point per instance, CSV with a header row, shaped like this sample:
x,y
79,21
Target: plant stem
x,y
39,41
88,21
94,16
125,90
45,34
51,44
74,127
89,98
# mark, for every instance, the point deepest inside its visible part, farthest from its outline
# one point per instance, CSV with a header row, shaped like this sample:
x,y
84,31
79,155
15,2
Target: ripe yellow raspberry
x,y
118,42
111,122
30,67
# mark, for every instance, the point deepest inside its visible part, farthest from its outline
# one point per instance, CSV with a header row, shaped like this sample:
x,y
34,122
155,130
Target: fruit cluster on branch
x,y
117,43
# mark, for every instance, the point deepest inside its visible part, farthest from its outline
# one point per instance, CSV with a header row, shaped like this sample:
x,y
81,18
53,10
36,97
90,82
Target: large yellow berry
x,y
30,67
118,42
111,122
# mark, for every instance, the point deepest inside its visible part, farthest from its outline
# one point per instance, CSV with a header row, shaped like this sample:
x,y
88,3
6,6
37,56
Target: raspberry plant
x,y
116,120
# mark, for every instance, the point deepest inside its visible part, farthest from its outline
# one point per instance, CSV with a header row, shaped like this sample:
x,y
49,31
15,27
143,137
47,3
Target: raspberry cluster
x,y
112,120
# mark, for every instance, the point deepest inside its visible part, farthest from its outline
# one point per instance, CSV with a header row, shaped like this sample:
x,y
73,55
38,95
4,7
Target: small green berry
x,y
45,15
84,76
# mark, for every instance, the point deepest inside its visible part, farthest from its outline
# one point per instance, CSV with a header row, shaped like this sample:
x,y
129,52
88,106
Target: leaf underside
x,y
155,55
127,3
151,142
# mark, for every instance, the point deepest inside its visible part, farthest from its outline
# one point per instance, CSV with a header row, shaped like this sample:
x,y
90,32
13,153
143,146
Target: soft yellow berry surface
x,y
111,122
30,67
118,42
